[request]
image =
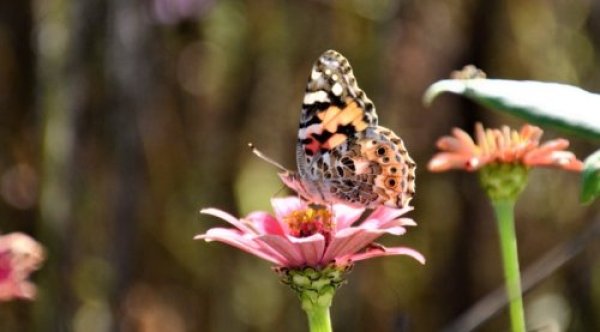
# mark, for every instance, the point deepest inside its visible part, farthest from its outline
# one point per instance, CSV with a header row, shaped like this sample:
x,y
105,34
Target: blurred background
x,y
120,119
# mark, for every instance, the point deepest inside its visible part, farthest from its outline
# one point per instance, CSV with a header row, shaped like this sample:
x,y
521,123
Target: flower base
x,y
315,289
503,181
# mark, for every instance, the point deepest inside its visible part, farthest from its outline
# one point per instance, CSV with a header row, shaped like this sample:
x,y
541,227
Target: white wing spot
x,y
337,89
315,75
317,96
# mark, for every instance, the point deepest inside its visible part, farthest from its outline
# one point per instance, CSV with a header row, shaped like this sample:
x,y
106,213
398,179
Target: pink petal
x,y
450,144
290,252
311,248
345,215
444,161
481,138
19,256
350,240
284,206
13,289
383,225
344,243
548,147
27,253
551,154
562,159
265,223
555,144
544,150
228,218
531,133
466,141
391,227
573,165
389,252
237,239
407,222
385,214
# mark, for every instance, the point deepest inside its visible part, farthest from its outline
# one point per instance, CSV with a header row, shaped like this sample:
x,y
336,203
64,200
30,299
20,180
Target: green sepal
x,y
503,181
315,287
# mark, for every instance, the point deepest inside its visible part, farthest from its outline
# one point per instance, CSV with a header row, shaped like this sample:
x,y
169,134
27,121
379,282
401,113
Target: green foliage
x,y
562,106
590,178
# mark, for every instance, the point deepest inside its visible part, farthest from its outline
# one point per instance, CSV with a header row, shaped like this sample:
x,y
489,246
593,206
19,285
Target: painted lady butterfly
x,y
343,156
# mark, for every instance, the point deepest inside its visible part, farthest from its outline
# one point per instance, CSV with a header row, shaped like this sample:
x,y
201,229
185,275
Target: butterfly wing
x,y
334,110
342,154
374,170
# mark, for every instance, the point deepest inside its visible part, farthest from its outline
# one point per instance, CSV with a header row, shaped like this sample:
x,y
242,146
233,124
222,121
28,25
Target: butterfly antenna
x,y
265,158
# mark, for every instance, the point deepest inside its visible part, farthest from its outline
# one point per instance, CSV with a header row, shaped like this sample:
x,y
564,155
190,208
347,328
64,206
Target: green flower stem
x,y
504,209
318,319
315,287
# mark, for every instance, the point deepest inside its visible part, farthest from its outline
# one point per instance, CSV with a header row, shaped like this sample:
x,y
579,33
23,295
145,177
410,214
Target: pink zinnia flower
x,y
299,235
501,146
19,256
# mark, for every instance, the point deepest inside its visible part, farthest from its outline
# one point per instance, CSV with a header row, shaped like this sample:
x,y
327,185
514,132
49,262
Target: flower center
x,y
304,223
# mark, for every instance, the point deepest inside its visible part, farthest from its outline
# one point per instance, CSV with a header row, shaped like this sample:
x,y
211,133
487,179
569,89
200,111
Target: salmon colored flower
x,y
501,146
503,158
19,256
300,236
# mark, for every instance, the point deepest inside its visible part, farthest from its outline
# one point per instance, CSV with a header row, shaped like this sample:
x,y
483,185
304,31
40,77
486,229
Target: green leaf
x,y
590,178
561,106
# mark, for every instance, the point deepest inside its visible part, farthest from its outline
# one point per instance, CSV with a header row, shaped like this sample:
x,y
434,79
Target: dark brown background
x,y
120,119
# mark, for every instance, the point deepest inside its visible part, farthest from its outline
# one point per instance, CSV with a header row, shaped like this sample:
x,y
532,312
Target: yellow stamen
x,y
304,223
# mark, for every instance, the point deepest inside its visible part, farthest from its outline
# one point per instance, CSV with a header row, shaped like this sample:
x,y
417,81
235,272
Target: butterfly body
x,y
343,155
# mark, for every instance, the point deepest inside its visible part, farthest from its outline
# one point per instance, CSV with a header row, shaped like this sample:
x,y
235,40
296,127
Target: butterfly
x,y
342,154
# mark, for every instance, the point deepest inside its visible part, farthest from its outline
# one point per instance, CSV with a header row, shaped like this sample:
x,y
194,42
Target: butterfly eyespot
x,y
393,170
391,182
381,151
385,160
